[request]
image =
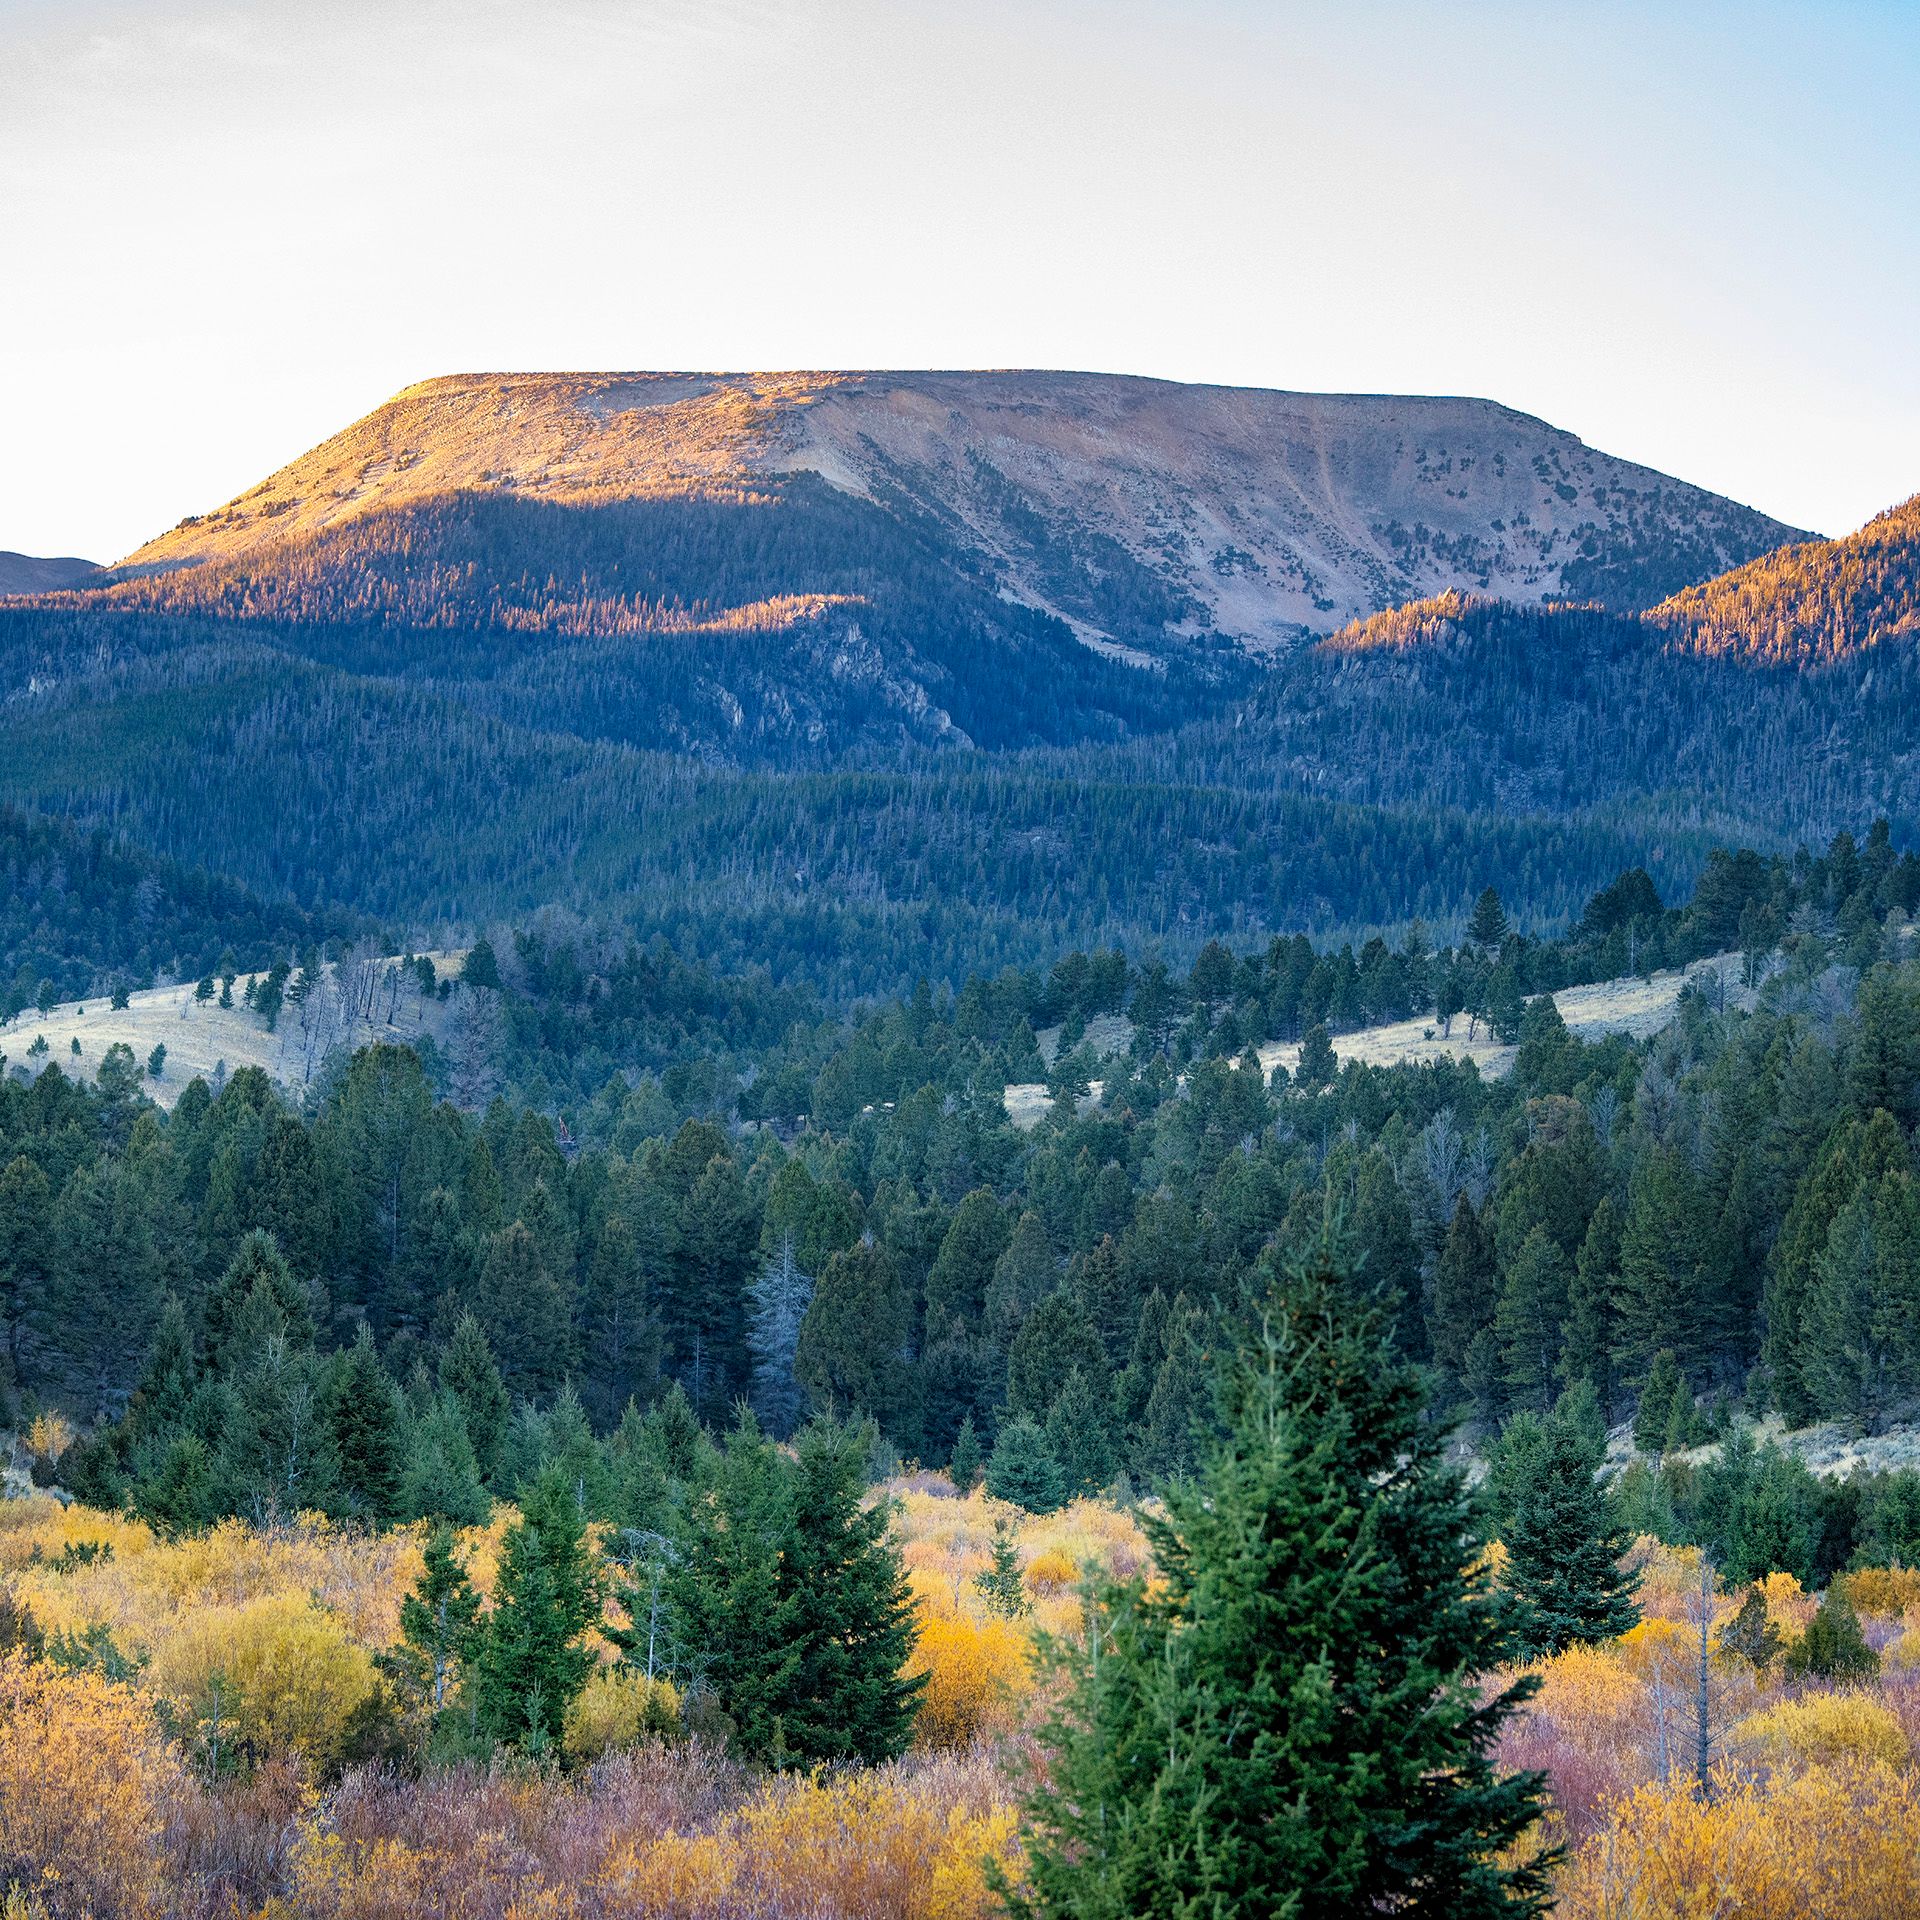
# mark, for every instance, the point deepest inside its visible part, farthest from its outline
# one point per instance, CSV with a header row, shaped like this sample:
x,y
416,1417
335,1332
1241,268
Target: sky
x,y
1689,233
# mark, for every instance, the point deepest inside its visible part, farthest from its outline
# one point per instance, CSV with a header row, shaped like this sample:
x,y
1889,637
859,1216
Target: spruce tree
x,y
779,1299
1295,1717
852,1610
1663,1392
850,1355
527,1311
1080,1434
1833,1647
1528,1320
1563,1548
441,1479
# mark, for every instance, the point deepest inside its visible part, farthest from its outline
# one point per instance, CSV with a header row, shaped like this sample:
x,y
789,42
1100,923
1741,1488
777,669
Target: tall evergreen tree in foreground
x,y
1292,1721
1563,1550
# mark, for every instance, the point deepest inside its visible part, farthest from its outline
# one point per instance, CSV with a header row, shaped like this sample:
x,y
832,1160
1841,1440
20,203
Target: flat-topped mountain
x,y
1140,513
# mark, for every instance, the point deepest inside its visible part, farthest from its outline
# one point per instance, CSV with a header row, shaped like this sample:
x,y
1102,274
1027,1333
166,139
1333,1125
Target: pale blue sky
x,y
1689,233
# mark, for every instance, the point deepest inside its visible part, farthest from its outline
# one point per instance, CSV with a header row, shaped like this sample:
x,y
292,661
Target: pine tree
x,y
853,1614
533,1659
1056,1337
1294,1718
1022,1469
1488,927
366,1432
1563,1552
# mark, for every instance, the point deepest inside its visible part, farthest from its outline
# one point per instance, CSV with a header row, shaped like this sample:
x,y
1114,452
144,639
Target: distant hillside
x,y
23,573
1824,600
79,912
1137,511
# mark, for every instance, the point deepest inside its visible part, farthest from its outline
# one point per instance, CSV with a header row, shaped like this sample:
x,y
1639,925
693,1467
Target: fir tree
x,y
467,1371
1488,928
1022,1469
1861,1352
533,1659
440,1622
1001,1585
964,1468
852,1610
366,1432
1294,1718
732,1610
1563,1552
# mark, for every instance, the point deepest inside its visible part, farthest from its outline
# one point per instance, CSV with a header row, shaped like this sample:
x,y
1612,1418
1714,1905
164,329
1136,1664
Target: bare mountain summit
x,y
1141,513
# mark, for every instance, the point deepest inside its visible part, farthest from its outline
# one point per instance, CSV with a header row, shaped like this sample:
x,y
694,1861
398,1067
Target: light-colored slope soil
x,y
1636,1006
202,1036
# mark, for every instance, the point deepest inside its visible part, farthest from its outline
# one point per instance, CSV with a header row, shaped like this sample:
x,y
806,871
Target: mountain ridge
x,y
1142,514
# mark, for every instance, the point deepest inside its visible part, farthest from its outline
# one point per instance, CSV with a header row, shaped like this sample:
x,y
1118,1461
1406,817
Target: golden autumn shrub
x,y
86,1781
1823,1729
893,1844
277,1675
975,1670
1824,1844
618,1708
1051,1572
1889,1591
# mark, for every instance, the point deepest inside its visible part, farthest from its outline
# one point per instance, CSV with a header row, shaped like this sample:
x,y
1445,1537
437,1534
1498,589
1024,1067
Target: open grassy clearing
x,y
357,1003
1637,1005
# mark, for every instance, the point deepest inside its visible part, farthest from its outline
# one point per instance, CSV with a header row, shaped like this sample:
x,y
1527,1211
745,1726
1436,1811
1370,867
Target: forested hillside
x,y
846,1215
